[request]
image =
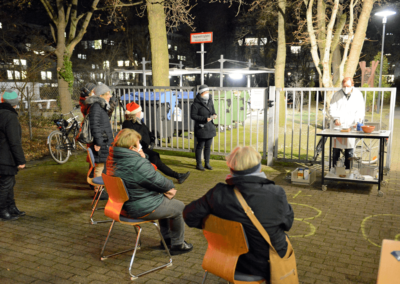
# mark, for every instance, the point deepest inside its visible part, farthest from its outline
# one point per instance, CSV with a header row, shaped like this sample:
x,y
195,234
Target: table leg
x,y
380,174
330,153
323,161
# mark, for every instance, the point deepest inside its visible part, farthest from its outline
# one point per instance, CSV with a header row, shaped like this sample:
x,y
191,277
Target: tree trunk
x,y
359,37
281,60
336,59
159,44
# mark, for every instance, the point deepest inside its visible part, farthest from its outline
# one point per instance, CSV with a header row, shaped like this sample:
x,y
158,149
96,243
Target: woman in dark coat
x,y
100,125
267,200
202,112
134,116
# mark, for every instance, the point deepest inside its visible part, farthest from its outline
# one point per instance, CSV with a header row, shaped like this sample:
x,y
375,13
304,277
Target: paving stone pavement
x,y
336,234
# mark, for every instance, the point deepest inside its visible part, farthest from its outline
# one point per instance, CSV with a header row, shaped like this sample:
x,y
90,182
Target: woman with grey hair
x,y
267,200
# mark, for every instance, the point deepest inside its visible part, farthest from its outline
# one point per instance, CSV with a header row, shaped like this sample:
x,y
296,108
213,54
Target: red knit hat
x,y
133,108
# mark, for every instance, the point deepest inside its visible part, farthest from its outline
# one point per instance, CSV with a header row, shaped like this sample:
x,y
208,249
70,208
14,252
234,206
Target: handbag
x,y
84,134
282,270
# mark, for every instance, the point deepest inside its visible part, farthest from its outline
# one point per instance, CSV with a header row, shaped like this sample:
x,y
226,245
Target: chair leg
x,y
133,277
95,195
94,208
204,277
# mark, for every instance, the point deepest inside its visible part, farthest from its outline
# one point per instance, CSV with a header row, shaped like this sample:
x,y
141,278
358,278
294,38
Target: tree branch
x,y
50,11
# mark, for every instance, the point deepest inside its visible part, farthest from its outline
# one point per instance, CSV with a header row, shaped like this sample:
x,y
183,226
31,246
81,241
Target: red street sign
x,y
201,37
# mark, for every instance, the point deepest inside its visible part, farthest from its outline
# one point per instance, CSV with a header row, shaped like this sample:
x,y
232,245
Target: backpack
x,y
85,135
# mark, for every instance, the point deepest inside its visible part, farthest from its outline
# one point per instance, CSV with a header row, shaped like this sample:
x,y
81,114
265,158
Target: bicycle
x,y
368,152
62,141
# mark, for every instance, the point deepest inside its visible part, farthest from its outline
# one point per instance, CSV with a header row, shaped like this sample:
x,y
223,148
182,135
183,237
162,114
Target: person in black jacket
x,y
202,112
267,200
11,155
100,125
133,120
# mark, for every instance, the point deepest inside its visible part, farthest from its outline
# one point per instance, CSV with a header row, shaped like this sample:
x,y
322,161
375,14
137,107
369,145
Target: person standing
x,y
202,112
11,153
133,120
347,107
86,91
100,125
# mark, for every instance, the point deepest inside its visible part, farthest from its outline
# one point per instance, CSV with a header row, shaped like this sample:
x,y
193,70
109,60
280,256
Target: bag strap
x,y
253,217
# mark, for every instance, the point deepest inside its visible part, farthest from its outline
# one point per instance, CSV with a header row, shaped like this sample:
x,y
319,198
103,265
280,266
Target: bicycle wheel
x,y
57,147
368,150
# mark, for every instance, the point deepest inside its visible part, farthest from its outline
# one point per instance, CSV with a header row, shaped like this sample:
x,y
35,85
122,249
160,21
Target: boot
x,y
208,166
6,216
200,167
182,177
13,210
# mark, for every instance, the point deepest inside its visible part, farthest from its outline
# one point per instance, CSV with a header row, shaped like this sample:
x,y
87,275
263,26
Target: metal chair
x,y
97,182
118,195
226,242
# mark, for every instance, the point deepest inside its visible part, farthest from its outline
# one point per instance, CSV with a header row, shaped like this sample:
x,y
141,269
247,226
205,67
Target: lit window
x,y
388,54
83,56
23,62
54,84
92,76
49,75
28,46
263,41
120,63
250,41
80,56
1,25
97,66
295,49
240,42
97,44
175,48
85,44
17,75
169,56
93,66
169,46
178,57
136,63
126,76
101,75
43,75
106,64
121,75
111,42
16,61
127,62
184,58
23,75
10,75
104,41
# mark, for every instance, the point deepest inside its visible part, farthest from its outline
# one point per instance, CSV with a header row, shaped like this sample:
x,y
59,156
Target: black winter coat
x,y
147,136
199,112
100,127
269,203
11,153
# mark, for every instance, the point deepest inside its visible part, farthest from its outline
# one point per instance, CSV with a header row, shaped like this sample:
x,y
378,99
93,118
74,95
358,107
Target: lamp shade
x,y
385,13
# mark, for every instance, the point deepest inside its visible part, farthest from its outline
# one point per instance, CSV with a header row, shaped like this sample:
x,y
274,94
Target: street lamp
x,y
384,14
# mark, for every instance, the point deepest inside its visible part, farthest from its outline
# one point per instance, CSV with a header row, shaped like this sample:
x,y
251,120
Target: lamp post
x,y
384,14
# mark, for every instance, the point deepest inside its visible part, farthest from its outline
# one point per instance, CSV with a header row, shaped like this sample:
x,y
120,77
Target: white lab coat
x,y
349,111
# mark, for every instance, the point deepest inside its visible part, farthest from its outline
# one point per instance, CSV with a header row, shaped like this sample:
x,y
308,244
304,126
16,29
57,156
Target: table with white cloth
x,y
380,135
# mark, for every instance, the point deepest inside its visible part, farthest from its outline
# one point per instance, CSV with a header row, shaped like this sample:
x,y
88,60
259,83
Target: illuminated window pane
x,y
49,75
127,62
97,44
23,75
10,75
43,75
16,61
23,62
251,41
120,63
17,75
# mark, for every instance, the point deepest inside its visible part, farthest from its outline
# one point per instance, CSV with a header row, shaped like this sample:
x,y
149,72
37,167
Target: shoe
x,y
6,216
200,167
104,195
180,249
182,177
208,166
13,210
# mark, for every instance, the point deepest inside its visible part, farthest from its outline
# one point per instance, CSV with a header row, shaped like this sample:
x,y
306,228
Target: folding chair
x,y
97,181
118,195
226,242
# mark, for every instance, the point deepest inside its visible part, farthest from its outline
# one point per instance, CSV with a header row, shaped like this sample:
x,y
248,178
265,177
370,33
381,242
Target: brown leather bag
x,y
283,270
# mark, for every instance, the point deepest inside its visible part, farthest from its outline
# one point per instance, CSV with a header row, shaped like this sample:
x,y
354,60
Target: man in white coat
x,y
347,108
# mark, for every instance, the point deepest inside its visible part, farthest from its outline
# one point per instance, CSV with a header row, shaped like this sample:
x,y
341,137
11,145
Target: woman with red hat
x,y
134,116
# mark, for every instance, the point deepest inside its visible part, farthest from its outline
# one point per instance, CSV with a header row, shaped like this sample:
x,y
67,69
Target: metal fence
x,y
240,116
305,110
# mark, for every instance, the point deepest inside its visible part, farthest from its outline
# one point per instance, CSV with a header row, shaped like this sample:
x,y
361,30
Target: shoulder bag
x,y
85,135
282,270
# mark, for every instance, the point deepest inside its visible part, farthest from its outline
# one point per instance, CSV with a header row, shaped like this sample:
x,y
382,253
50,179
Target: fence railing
x,y
304,117
240,115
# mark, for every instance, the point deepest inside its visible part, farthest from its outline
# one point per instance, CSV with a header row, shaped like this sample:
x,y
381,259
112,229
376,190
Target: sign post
x,y
201,38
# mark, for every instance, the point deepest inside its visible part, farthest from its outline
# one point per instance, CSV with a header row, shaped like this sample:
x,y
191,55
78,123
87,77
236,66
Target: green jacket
x,y
144,184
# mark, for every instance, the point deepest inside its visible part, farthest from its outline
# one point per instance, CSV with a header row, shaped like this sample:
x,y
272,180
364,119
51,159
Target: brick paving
x,y
336,234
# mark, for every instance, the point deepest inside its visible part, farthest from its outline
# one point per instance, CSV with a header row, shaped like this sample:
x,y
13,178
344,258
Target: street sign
x,y
201,37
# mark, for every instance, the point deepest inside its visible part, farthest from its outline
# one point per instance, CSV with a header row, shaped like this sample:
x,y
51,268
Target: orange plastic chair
x,y
226,242
118,195
97,181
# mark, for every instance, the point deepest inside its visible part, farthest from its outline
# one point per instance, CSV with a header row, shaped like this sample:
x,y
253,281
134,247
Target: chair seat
x,y
130,220
247,277
98,180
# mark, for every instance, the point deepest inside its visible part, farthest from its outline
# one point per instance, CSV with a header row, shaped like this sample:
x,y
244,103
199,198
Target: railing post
x,y
276,129
270,121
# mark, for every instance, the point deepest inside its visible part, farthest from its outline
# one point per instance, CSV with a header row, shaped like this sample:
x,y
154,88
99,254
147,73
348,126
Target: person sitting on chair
x,y
267,200
134,116
151,195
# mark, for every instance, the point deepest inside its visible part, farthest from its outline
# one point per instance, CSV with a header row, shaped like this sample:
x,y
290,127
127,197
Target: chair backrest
x,y
117,196
226,242
91,157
